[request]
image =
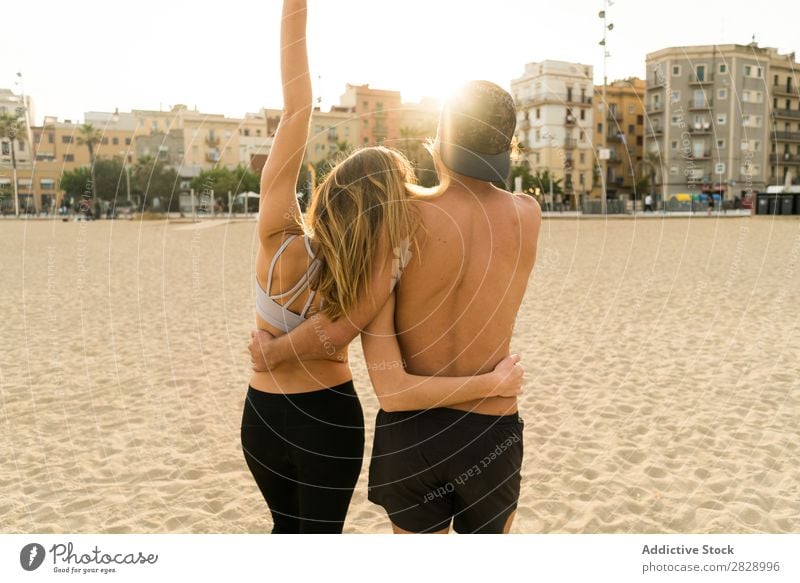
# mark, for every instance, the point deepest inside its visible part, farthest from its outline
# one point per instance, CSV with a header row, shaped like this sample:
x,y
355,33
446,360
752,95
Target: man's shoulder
x,y
529,206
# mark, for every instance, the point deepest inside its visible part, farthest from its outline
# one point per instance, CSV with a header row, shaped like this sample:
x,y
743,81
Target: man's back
x,y
459,297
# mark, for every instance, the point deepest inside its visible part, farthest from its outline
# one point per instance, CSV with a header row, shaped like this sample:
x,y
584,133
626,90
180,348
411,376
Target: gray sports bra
x,y
278,314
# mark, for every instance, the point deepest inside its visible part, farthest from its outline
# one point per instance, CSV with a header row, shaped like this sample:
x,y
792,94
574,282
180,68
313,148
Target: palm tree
x,y
90,136
12,127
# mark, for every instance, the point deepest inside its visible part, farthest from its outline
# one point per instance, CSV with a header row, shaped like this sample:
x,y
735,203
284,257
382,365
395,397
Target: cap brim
x,y
488,167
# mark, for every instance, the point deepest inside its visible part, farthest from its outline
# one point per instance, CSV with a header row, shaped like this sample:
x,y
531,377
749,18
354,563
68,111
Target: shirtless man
x,y
454,313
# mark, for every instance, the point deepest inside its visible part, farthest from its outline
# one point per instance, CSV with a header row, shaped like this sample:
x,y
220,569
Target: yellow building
x,y
624,129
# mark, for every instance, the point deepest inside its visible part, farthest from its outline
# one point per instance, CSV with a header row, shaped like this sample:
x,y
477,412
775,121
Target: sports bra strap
x,y
275,258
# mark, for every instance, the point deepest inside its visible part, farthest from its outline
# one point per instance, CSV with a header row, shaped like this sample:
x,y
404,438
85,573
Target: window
x,y
582,157
127,141
599,128
639,119
258,133
583,114
676,120
6,149
674,144
538,113
639,141
583,136
51,138
631,109
115,141
721,144
675,96
227,134
673,170
722,94
66,139
69,157
751,121
631,129
104,141
581,179
721,119
723,68
700,72
538,135
366,105
676,70
47,183
20,146
748,71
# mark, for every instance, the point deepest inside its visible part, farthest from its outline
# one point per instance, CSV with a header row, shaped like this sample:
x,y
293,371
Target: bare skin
x,y
458,299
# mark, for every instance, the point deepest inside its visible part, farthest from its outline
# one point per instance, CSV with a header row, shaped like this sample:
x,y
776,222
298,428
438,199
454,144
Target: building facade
x,y
378,111
624,137
722,118
555,123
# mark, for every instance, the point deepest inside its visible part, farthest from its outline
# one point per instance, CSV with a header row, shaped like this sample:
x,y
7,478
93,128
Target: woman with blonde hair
x,y
302,427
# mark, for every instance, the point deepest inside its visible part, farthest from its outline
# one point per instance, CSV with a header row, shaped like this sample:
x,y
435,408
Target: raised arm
x,y
278,209
398,390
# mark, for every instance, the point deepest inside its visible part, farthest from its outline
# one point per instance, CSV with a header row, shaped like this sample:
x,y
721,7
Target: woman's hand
x,y
510,376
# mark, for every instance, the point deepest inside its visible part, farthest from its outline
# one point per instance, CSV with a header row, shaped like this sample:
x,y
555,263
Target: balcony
x,y
700,128
613,115
614,137
696,105
785,136
655,108
618,180
655,132
570,121
570,143
568,163
213,155
212,140
580,102
784,90
701,156
614,159
790,113
704,80
785,159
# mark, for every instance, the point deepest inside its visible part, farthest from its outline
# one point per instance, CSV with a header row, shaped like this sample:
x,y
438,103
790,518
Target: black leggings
x,y
305,453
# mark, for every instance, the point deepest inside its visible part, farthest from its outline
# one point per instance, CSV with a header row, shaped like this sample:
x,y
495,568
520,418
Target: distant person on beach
x,y
454,310
648,204
710,204
302,429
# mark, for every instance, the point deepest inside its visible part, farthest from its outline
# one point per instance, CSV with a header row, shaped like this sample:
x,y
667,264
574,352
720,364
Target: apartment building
x,y
624,136
11,103
722,118
378,111
555,123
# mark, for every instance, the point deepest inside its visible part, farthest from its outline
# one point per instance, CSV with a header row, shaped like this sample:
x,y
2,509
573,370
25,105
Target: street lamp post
x,y
607,26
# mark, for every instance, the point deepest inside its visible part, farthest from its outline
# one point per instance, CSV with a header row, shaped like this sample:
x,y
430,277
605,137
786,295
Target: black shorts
x,y
431,467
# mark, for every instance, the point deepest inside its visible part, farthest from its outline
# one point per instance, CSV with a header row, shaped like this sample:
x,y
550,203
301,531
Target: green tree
x,y
74,182
13,129
151,180
222,180
542,180
90,136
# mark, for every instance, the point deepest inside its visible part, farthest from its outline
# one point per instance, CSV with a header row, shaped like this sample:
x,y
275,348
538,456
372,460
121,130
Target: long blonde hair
x,y
361,209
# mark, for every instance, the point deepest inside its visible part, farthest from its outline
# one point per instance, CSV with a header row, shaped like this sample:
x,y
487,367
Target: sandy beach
x,y
662,394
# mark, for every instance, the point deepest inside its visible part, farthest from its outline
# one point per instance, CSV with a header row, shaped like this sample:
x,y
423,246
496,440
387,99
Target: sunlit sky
x,y
222,56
